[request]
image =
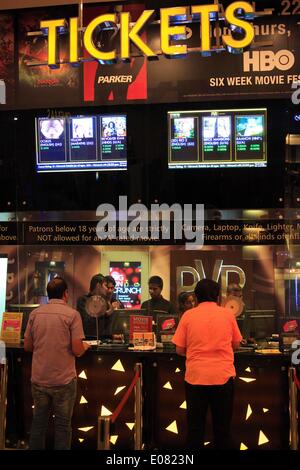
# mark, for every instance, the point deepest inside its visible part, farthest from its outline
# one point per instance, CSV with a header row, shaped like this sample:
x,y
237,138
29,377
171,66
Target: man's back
x,y
208,332
52,328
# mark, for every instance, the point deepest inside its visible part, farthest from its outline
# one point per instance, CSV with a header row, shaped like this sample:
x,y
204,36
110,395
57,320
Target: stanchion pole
x,y
3,401
138,409
103,433
293,410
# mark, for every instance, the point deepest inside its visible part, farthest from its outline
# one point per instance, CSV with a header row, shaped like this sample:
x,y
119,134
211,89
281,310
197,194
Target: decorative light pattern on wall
x,y
113,439
262,438
105,411
82,375
119,389
168,386
130,426
249,412
118,366
173,427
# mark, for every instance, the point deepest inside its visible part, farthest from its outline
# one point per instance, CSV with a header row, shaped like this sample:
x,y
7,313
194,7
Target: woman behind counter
x,y
186,300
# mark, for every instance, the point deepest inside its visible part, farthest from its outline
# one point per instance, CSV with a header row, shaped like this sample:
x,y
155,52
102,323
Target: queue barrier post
x,y
103,433
293,409
104,422
138,408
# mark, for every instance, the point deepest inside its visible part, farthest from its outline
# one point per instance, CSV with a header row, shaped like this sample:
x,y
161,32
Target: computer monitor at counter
x,y
258,324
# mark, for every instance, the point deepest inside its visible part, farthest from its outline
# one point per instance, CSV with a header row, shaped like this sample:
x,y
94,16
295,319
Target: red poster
x,y
140,324
120,82
7,72
58,86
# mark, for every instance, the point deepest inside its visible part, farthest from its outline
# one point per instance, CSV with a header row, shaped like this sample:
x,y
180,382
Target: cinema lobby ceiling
x,y
17,4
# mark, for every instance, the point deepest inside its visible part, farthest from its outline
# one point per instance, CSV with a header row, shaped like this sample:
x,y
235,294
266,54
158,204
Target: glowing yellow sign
x,y
132,34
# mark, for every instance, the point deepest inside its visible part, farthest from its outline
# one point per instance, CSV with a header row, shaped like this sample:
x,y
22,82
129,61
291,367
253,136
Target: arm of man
x,y
179,338
236,335
235,345
79,347
28,342
180,351
77,336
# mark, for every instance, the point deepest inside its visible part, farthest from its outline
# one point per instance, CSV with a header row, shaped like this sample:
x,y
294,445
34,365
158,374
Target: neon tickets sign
x,y
131,34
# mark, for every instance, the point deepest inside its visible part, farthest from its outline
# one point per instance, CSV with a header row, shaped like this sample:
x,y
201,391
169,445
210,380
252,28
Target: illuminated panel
x,y
246,379
113,439
82,400
173,427
168,386
130,426
82,375
262,438
118,366
86,429
249,412
105,411
119,389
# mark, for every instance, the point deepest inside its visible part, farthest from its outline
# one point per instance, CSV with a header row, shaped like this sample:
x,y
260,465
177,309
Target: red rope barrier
x,y
296,380
125,398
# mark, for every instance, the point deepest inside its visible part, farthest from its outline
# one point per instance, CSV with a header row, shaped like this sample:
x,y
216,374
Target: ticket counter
x,y
261,413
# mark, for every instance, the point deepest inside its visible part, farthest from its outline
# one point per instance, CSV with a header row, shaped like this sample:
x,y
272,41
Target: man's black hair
x,y
96,279
56,288
109,280
183,296
157,281
207,291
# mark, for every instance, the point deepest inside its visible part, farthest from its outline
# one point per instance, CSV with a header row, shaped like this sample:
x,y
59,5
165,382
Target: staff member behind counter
x,y
157,302
103,286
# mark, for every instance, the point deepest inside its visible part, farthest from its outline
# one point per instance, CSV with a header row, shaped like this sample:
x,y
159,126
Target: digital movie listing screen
x,y
83,139
250,137
52,140
184,139
81,143
113,137
218,138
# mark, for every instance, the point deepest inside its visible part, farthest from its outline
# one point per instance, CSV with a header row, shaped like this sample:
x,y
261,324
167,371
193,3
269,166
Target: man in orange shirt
x,y
207,336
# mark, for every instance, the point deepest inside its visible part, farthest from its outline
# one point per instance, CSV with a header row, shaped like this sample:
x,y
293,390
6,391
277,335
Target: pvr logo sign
x,y
266,61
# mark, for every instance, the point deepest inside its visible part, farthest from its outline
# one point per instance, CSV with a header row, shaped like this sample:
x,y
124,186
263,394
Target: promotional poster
x,y
40,85
7,50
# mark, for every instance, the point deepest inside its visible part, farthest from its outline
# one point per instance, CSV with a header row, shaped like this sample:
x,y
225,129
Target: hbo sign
x,y
266,61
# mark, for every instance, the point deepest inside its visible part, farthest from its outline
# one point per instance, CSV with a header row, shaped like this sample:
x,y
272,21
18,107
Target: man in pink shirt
x,y
207,336
54,334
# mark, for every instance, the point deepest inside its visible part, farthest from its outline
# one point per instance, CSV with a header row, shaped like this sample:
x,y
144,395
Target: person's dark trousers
x,y
60,401
220,400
